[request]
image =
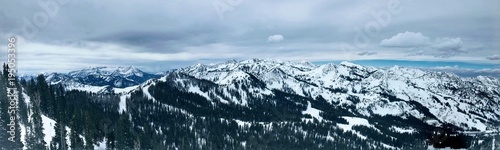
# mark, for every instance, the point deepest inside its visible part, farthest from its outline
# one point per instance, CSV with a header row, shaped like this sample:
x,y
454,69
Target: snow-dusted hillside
x,y
101,79
470,103
255,102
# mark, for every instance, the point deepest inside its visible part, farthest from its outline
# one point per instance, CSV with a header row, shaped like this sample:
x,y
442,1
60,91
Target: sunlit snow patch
x,y
312,111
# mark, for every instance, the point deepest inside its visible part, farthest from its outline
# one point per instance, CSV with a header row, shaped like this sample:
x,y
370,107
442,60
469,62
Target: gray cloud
x,y
366,53
275,38
406,39
493,57
144,32
466,72
421,45
448,47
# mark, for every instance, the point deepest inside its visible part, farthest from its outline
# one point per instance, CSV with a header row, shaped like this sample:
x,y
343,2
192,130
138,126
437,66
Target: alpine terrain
x,y
255,104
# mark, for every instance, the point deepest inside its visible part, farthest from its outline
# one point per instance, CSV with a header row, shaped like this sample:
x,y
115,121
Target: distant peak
x,y
349,64
127,68
232,61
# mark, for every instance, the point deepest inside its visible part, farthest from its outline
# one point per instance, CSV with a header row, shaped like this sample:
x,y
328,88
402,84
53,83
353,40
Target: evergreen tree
x,y
46,95
10,137
124,137
76,141
35,135
145,139
110,143
89,144
59,140
4,117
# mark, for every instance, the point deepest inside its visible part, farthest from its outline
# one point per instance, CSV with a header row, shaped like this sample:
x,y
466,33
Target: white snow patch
x,y
403,130
242,123
48,129
27,99
124,90
430,147
123,104
355,121
197,90
87,88
101,145
312,111
493,144
388,146
480,141
145,90
23,135
387,109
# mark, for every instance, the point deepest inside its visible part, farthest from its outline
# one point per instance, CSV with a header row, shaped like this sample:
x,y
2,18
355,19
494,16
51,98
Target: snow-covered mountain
x,y
397,99
261,104
101,79
470,103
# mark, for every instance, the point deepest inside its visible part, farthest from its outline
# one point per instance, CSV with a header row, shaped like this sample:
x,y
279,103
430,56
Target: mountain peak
x,y
352,84
120,76
350,64
104,70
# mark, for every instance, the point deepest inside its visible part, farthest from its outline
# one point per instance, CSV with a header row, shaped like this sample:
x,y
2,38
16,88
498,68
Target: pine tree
x,y
110,143
124,137
46,95
10,138
59,140
35,135
3,112
89,144
145,139
76,141
4,116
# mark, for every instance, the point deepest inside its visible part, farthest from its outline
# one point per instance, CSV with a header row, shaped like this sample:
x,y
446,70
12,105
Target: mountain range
x,y
100,79
273,104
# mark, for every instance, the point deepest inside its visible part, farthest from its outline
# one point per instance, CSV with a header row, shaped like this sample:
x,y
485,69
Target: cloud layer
x,y
366,53
406,39
493,57
419,44
275,38
180,33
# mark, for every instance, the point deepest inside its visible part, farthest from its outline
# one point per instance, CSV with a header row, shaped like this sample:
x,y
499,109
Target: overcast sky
x,y
160,35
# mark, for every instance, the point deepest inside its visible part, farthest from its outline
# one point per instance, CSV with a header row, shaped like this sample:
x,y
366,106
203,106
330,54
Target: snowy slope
x,y
101,79
363,92
395,91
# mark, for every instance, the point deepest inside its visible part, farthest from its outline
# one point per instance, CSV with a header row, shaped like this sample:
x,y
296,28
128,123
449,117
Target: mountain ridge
x,y
100,79
393,84
261,104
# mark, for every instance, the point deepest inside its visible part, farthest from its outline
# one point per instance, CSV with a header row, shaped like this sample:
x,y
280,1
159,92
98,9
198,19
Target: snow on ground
x,y
23,134
145,90
493,144
354,121
433,122
26,98
123,103
48,129
357,121
403,130
430,147
388,146
197,90
101,145
49,132
124,90
88,88
242,123
312,111
393,108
